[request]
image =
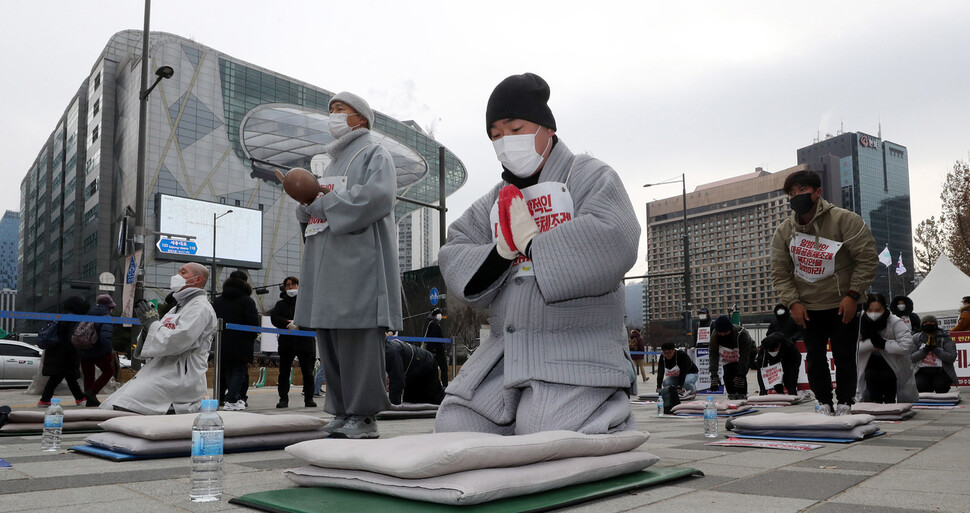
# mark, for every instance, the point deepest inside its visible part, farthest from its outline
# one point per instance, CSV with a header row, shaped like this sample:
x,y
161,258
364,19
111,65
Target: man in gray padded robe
x,y
350,289
548,264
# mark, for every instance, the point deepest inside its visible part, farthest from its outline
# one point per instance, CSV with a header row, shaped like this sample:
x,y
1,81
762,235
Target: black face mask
x,y
802,203
929,328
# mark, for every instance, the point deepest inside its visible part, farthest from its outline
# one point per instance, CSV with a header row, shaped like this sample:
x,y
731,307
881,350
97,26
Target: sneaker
x,y
357,427
43,404
843,409
236,406
336,422
283,404
825,409
81,402
93,401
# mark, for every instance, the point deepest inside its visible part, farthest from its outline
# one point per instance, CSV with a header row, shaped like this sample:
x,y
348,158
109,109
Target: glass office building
x,y
215,131
870,177
9,228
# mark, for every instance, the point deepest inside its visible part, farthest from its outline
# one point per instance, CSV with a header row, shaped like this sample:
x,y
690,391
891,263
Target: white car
x,y
19,362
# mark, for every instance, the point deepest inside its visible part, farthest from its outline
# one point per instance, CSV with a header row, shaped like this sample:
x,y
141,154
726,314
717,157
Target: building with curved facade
x,y
215,131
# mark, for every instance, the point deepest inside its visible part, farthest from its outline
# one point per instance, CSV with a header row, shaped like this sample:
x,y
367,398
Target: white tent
x,y
941,291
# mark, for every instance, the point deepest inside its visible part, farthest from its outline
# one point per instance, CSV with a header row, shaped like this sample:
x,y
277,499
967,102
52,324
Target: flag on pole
x,y
886,258
900,268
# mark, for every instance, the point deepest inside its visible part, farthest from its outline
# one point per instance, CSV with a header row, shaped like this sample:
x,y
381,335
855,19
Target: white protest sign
x,y
813,261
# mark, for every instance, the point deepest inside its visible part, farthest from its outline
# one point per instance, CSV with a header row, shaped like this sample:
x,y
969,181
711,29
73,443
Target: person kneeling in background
x,y
778,353
933,354
885,349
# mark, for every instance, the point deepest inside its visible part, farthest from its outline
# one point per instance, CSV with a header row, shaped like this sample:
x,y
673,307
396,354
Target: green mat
x,y
306,500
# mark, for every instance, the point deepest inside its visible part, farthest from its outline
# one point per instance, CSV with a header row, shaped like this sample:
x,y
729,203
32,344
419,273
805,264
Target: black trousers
x,y
730,374
55,380
826,326
933,379
880,380
440,352
421,384
306,357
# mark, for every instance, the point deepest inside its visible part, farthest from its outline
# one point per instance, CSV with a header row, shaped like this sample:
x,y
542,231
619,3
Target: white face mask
x,y
772,353
901,306
780,312
874,315
292,292
176,283
518,153
438,317
702,317
338,125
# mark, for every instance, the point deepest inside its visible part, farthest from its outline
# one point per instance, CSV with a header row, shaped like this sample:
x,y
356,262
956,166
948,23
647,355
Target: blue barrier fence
x,y
134,320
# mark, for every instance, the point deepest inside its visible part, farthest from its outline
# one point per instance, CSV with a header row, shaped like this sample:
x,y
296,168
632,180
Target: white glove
x,y
523,225
503,247
292,326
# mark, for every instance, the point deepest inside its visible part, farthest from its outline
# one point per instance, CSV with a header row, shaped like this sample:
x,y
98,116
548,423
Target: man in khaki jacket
x,y
823,258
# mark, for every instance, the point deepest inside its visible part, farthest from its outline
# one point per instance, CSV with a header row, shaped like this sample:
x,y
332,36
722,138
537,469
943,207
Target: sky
x,y
710,89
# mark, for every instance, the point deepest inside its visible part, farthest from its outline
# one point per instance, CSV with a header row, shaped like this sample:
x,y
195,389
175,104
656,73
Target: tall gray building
x,y
215,132
9,229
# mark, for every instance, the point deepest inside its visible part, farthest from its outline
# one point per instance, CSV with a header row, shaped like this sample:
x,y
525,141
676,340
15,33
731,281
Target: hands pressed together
x,y
516,224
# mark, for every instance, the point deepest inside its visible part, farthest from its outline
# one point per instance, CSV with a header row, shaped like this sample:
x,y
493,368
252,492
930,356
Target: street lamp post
x,y
215,217
143,91
688,301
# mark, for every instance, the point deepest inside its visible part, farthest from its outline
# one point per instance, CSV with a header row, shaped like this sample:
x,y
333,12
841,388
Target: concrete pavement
x,y
920,465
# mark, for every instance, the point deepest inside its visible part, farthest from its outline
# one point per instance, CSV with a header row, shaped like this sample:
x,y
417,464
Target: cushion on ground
x,y
436,454
881,408
413,407
693,407
906,415
649,396
856,433
801,420
80,425
70,415
946,396
773,398
133,445
699,405
482,485
237,423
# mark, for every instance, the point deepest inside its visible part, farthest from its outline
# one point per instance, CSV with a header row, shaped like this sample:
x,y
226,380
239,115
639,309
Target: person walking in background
x,y
637,345
236,306
292,346
933,354
822,258
61,361
100,355
440,351
963,323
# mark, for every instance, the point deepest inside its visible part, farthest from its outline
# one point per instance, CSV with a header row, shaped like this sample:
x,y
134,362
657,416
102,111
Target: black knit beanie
x,y
722,324
524,96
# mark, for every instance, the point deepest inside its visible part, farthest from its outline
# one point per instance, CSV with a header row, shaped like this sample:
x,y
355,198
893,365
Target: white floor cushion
x,y
773,398
70,415
927,397
237,423
856,433
881,408
484,485
436,454
801,420
132,445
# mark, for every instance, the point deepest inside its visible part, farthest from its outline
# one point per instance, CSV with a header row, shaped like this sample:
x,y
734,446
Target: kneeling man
x,y
177,350
546,257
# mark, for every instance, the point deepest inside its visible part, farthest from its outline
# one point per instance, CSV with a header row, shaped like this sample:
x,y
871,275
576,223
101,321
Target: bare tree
x,y
465,323
955,219
929,243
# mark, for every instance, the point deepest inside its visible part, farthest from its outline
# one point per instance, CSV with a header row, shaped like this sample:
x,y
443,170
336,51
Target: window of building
x,y
97,107
94,133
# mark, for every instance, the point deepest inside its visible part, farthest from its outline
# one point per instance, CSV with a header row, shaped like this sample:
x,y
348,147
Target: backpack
x,y
85,335
47,337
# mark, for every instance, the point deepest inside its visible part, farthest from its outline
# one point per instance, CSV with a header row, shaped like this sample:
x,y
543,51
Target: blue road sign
x,y
130,272
434,296
177,247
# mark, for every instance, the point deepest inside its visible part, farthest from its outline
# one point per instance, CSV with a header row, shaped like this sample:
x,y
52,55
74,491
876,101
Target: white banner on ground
x,y
766,444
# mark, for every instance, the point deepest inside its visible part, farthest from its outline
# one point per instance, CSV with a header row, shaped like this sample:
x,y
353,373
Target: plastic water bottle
x,y
207,437
710,418
53,423
817,406
660,404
